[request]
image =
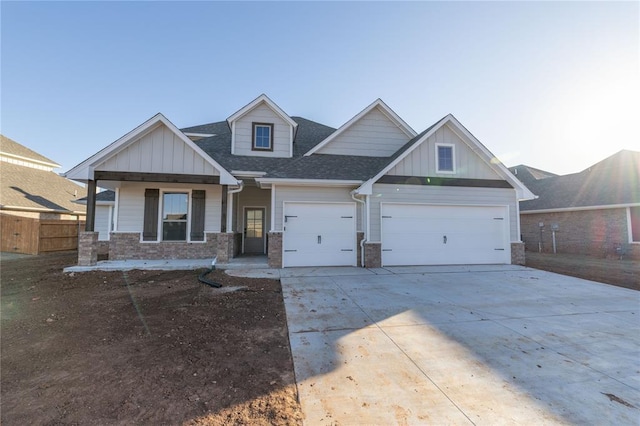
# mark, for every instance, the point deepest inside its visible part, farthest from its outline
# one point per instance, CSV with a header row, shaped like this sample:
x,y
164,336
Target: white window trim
x,y
161,210
254,132
453,158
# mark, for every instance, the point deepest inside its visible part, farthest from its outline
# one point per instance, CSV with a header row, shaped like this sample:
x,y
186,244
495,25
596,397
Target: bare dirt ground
x,y
621,273
141,348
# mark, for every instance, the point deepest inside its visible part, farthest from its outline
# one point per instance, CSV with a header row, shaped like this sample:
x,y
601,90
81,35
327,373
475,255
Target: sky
x,y
554,85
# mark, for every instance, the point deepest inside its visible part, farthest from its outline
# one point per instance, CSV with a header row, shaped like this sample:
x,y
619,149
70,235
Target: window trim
x,y
254,125
453,158
161,221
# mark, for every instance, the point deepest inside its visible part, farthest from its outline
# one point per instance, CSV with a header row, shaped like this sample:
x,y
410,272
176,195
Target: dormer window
x,y
262,137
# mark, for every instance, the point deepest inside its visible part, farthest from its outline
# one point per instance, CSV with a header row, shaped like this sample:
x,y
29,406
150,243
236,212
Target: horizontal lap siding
x,y
102,222
310,194
374,135
159,151
131,204
419,194
244,133
422,160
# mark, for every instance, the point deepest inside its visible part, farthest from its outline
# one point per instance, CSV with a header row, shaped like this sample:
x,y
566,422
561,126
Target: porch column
x,y
223,208
91,206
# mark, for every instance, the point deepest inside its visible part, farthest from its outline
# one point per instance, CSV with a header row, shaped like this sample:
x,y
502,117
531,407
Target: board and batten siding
x,y
312,194
243,133
422,160
159,151
374,135
442,195
130,209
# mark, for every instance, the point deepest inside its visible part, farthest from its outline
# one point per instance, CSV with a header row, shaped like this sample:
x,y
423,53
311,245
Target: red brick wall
x,y
127,245
590,232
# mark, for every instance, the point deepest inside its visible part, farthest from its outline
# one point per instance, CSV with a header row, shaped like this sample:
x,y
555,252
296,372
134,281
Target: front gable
x,y
262,115
422,161
375,132
156,146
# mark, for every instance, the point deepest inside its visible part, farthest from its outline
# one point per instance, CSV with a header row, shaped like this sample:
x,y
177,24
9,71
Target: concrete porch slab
x,y
155,265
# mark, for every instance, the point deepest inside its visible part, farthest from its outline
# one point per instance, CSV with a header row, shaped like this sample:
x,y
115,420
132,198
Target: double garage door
x,y
420,234
319,234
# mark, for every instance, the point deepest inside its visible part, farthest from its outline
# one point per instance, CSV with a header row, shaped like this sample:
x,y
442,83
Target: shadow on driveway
x,y
482,344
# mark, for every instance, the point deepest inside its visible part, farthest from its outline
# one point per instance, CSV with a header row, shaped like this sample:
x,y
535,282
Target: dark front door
x,y
254,230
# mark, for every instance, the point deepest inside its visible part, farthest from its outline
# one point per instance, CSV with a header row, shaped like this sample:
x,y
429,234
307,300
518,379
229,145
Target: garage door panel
x,y
418,234
317,234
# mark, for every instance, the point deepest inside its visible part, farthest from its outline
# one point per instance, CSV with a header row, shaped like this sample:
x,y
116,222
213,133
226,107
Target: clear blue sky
x,y
552,85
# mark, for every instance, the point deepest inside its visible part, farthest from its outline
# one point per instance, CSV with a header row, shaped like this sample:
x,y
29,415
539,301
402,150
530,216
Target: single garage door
x,y
420,234
319,234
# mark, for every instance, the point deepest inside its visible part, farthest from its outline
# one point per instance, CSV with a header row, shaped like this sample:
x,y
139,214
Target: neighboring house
x,y
30,188
595,211
371,193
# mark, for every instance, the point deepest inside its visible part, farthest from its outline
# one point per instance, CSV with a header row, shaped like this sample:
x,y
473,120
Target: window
x,y
262,137
635,224
445,158
174,216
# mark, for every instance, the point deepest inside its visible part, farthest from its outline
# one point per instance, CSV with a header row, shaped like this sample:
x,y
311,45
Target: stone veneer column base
x,y
87,248
373,255
275,249
226,249
517,254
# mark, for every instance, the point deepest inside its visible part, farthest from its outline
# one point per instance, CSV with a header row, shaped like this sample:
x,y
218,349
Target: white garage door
x,y
419,234
317,234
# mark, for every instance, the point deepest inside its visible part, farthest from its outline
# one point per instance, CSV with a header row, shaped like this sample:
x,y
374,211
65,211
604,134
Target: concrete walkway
x,y
462,345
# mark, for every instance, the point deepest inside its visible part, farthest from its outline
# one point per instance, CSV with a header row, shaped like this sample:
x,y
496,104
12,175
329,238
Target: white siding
x,y
445,195
311,194
130,209
102,223
422,160
374,135
159,151
244,133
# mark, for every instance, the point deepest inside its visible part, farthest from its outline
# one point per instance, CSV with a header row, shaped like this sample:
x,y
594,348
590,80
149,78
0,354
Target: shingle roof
x,y
31,188
614,180
9,146
527,174
104,196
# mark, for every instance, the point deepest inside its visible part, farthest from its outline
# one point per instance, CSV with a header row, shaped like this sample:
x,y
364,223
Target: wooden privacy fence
x,y
35,236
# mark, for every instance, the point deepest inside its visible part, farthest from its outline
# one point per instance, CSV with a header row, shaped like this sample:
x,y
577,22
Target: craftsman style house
x,y
370,193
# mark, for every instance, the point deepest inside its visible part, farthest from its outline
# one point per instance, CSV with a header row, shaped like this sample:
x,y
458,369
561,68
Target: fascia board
x,y
30,160
308,182
388,112
581,208
367,187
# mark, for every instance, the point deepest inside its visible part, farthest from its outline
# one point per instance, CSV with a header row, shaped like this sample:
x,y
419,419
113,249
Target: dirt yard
x,y
141,348
622,273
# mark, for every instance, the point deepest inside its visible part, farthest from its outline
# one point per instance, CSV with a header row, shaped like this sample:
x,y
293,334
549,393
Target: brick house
x,y
594,212
371,193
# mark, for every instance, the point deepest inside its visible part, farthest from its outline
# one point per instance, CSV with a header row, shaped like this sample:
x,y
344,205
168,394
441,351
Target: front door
x,y
254,230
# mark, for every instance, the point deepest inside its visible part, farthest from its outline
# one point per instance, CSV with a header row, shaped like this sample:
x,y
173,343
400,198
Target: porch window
x,y
175,207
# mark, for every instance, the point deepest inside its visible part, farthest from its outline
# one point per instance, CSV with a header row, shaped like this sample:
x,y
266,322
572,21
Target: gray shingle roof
x,y
527,174
10,146
105,196
614,180
31,188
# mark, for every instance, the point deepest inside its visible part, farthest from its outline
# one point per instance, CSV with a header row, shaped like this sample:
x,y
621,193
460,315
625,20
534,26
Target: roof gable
x,y
262,99
162,138
474,144
376,123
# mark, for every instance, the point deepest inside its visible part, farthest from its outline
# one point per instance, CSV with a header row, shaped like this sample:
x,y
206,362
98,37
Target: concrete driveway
x,y
462,345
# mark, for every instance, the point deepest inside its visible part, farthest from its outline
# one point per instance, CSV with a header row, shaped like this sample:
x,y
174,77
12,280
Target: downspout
x,y
365,225
230,203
